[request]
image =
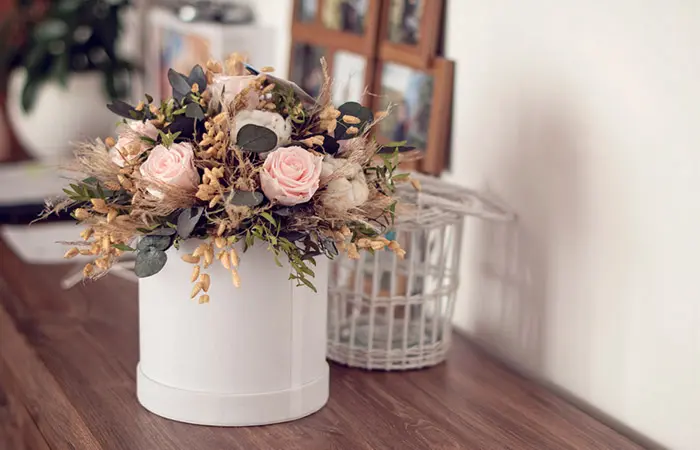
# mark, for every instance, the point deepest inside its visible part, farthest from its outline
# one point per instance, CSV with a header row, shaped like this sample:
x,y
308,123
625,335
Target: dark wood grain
x,y
67,380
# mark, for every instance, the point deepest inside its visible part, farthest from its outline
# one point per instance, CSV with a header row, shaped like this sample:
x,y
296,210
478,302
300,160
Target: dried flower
x,y
195,273
235,278
190,259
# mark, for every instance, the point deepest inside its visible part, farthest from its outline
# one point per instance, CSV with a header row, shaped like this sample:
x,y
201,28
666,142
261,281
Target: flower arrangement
x,y
236,157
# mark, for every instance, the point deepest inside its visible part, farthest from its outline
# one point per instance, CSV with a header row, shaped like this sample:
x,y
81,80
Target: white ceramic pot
x,y
254,355
61,116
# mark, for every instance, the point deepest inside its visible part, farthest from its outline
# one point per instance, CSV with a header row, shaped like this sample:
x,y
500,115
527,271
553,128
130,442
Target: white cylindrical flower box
x,y
253,355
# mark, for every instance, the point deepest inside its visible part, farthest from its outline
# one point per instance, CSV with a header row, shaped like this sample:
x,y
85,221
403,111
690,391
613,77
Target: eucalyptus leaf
x,y
121,108
197,76
356,110
194,111
257,139
246,198
187,221
165,231
179,84
149,262
183,125
161,243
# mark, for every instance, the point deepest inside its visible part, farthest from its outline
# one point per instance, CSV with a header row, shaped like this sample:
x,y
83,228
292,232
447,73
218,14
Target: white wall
x,y
585,117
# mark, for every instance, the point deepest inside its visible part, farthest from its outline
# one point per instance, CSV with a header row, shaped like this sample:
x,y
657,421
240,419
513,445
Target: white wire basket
x,y
391,314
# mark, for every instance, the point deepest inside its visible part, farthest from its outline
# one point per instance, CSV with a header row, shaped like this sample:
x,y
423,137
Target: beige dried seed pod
x,y
140,106
199,251
86,233
110,142
393,245
267,69
216,199
352,130
208,257
88,269
105,244
401,253
352,251
206,281
81,214
363,243
196,289
270,106
233,256
377,245
222,228
235,278
85,252
111,215
72,253
204,196
345,231
203,299
225,261
221,118
195,274
190,259
220,242
352,120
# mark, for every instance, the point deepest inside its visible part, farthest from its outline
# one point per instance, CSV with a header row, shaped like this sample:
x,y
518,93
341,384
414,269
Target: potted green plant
x,y
61,62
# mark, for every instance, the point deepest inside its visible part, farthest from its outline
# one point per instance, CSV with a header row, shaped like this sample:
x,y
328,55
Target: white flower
x,y
267,119
348,186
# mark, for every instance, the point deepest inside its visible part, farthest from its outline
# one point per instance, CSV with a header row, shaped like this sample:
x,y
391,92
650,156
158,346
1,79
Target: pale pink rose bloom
x,y
227,87
129,136
173,166
291,175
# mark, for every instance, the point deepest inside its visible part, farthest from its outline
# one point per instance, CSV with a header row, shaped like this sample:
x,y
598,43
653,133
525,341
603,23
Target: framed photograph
x,y
305,67
352,77
350,25
421,103
307,10
410,31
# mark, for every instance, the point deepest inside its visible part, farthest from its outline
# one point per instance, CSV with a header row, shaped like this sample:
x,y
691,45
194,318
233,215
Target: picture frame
x,y
172,43
422,120
329,22
409,31
349,83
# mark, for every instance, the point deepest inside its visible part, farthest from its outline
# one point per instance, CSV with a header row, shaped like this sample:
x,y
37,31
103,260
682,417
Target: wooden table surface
x,y
67,381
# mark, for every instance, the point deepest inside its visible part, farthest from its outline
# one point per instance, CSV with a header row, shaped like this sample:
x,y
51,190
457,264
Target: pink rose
x,y
290,175
227,87
129,145
173,166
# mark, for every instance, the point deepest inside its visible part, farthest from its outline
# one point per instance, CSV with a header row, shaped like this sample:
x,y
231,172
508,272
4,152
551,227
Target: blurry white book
x,y
39,243
30,183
